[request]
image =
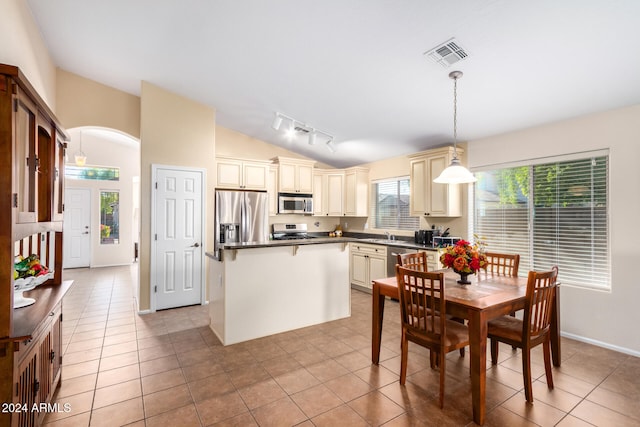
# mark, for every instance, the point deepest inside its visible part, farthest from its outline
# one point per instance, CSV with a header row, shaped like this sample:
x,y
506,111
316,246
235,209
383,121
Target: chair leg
x,y
494,351
462,352
526,374
433,359
546,347
442,358
403,359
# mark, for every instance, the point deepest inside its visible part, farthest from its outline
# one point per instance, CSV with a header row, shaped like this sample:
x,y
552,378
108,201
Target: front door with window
x,y
77,228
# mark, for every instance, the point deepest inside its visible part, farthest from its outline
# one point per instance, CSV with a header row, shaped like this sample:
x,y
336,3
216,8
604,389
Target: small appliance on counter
x,y
442,241
290,232
425,237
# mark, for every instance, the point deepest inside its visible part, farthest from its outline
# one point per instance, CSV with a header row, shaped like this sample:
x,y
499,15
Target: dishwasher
x,y
392,257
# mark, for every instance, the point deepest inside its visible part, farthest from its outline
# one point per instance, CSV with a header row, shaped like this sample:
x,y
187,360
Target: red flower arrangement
x,y
464,257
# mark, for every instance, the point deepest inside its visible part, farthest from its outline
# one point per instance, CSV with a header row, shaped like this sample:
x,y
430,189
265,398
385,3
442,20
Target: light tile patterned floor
x,y
168,369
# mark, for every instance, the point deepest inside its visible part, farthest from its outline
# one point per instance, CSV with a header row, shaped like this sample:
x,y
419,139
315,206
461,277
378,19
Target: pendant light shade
x,y
455,173
80,157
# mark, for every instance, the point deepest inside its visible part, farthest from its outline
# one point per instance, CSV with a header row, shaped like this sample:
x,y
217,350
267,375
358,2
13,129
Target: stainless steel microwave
x,y
295,203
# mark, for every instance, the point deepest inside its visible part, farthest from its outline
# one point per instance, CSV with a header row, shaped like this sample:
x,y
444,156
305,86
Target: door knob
x,y
195,245
86,232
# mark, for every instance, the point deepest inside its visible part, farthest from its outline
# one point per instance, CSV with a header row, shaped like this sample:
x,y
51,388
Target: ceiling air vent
x,y
447,53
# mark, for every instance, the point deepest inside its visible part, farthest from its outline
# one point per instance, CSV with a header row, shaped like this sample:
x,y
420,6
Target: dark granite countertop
x,y
326,240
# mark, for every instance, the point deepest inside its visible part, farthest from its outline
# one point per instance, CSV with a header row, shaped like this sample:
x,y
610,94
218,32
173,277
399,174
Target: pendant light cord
x,y
455,117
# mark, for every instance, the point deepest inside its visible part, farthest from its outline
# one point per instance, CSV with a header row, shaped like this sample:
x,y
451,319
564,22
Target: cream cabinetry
x,y
368,263
272,189
335,193
295,175
328,192
341,192
241,174
356,192
427,197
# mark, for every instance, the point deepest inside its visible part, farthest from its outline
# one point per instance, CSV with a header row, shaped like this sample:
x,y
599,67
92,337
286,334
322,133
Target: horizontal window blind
x,y
554,213
390,205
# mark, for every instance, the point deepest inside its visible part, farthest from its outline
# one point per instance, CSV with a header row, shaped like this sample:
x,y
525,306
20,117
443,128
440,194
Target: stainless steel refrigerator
x,y
241,216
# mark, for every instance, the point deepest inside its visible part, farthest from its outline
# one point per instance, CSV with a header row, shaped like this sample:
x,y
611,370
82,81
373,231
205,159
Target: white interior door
x,y
77,228
177,270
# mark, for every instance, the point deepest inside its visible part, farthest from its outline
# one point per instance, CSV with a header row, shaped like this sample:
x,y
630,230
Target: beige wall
x,y
83,102
174,131
21,45
605,318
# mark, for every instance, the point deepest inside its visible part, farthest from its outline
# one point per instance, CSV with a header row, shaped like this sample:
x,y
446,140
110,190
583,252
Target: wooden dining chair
x,y
422,309
502,264
532,330
413,260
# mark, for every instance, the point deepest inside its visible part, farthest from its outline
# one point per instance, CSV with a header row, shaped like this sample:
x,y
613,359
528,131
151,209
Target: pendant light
x,y
455,173
80,157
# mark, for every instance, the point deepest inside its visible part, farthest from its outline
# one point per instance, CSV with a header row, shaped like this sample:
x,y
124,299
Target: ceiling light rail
x,y
297,127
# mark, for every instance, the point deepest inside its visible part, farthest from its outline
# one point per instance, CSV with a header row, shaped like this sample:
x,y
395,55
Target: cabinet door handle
x,y
36,387
52,356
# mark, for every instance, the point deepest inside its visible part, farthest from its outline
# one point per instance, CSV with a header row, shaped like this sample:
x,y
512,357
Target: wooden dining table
x,y
487,297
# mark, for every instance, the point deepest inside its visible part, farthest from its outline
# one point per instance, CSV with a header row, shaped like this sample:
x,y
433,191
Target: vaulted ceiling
x,y
356,69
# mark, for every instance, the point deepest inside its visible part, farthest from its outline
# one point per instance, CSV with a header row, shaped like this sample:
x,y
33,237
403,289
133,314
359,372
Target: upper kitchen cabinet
x,y
295,175
427,197
328,192
242,174
356,192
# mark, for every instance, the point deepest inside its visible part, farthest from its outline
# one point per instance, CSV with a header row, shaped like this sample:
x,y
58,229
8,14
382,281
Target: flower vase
x,y
464,278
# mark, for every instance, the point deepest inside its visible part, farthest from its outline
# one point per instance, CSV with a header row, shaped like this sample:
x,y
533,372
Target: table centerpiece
x,y
465,259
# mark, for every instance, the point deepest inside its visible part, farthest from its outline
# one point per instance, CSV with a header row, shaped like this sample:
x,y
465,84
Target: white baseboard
x,y
601,344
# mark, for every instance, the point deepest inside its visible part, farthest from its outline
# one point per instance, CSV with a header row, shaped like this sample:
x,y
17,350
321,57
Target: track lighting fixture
x,y
297,127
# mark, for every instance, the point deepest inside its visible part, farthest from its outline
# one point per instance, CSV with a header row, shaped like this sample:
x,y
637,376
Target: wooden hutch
x,y
32,157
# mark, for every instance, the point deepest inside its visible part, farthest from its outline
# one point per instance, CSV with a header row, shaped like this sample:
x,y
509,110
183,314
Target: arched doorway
x,y
110,182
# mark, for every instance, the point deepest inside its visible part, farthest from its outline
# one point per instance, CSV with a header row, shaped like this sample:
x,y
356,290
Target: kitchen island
x,y
261,289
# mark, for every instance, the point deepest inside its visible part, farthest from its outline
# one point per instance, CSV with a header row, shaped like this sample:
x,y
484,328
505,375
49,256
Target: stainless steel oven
x,y
295,203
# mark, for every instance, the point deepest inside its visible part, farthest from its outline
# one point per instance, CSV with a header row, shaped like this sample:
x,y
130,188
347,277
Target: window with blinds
x,y
552,213
390,205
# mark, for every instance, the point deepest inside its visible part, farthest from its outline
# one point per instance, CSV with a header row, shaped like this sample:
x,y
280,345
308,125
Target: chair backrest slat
x,y
422,303
540,293
503,264
414,261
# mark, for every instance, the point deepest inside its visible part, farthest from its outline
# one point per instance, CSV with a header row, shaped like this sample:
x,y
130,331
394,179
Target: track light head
x,y
291,131
312,137
330,146
277,121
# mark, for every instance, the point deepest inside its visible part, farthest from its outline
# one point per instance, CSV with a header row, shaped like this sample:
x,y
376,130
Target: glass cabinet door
x,y
25,188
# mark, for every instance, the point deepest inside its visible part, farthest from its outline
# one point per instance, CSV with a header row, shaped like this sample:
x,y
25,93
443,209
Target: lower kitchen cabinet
x,y
368,262
433,260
